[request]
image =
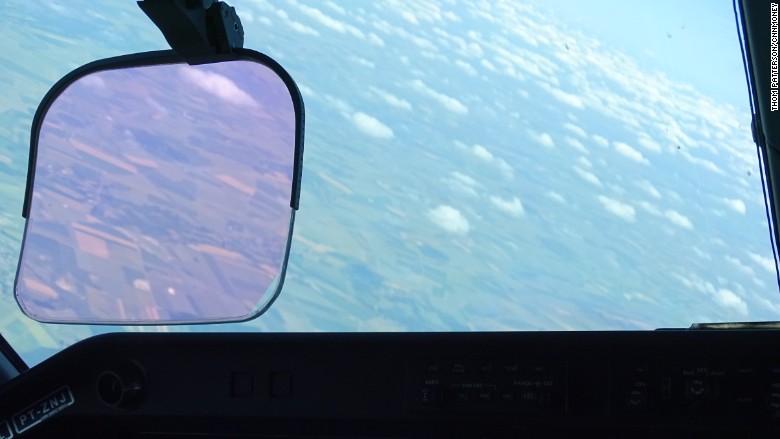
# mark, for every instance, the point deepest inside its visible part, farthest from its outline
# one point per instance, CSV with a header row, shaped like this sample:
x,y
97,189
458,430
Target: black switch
x,y
242,384
281,385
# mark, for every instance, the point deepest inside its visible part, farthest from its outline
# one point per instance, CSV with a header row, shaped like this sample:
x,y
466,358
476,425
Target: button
x,y
529,396
507,396
432,368
485,368
462,396
666,388
485,395
430,396
281,385
512,368
242,384
458,367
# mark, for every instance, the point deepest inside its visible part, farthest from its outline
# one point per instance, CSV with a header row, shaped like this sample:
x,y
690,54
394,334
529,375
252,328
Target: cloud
x,y
513,207
729,299
466,67
444,100
648,188
408,16
375,40
482,153
543,139
329,21
371,126
736,204
488,65
576,144
569,99
600,141
217,85
391,99
587,176
630,152
764,262
463,183
465,179
650,208
363,62
575,129
555,196
505,169
678,219
302,28
649,144
449,219
617,208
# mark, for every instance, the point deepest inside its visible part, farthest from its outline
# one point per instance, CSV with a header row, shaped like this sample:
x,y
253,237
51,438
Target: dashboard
x,y
402,385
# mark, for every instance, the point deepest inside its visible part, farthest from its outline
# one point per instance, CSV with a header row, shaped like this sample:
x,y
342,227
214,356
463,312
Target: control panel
x,y
498,385
638,384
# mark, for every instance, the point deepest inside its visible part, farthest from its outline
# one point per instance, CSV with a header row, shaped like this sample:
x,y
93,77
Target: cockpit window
x,y
469,165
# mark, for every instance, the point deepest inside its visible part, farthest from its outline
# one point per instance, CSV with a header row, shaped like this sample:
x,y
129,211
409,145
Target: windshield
x,y
469,166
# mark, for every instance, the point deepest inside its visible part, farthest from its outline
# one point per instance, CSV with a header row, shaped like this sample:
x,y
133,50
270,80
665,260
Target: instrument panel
x,y
392,385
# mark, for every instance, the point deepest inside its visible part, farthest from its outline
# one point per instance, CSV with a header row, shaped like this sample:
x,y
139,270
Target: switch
x,y
281,385
242,384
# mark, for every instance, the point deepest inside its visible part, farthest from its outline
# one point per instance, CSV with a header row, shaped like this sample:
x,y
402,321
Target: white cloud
x,y
576,144
587,176
444,100
543,139
218,85
466,67
463,183
575,129
513,207
555,196
302,28
630,152
617,208
764,262
649,144
371,126
482,152
465,179
704,163
391,99
505,169
739,265
408,16
375,40
678,219
330,22
569,99
729,299
449,219
363,62
736,204
648,188
650,208
600,141
488,65
335,7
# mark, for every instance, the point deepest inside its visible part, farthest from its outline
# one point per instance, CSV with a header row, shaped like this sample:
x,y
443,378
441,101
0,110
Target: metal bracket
x,y
196,29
